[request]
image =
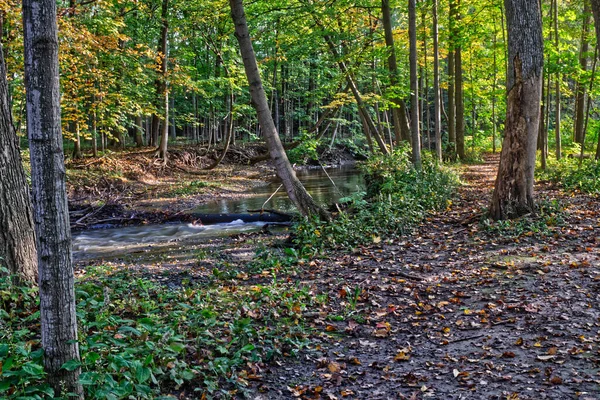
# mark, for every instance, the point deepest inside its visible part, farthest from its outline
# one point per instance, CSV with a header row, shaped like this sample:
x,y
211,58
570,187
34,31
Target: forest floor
x,y
455,310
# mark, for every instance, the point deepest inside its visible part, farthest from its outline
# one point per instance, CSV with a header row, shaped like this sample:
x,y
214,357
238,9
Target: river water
x,y
325,186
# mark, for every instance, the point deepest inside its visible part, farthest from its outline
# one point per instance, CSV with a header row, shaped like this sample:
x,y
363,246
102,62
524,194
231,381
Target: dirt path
x,y
456,311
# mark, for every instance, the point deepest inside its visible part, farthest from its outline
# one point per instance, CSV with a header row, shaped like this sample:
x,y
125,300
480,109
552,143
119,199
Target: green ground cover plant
x,y
141,339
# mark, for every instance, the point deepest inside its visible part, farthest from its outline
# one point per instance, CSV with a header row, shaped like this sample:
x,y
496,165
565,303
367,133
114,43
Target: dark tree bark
x,y
414,85
51,214
17,236
297,193
401,128
513,192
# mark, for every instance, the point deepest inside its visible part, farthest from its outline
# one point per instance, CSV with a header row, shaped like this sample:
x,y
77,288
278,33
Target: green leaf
x,y
142,374
71,365
176,347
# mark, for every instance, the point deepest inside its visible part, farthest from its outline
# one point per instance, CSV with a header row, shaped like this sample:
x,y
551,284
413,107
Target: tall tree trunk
x,y
437,109
51,214
542,137
557,88
513,191
459,98
296,192
139,132
17,236
414,84
451,87
77,144
163,91
401,128
494,88
581,89
358,98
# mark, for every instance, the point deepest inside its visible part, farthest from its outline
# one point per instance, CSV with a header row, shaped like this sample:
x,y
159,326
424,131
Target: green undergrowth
x,y
141,340
550,214
398,196
574,176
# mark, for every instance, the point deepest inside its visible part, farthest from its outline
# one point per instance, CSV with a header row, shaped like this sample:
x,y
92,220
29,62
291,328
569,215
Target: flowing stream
x,y
326,187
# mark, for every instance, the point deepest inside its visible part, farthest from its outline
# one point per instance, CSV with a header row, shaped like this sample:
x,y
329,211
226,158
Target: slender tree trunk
x,y
139,132
163,91
459,96
51,214
358,97
77,145
94,130
542,132
436,85
580,91
414,84
401,128
557,88
17,236
297,193
494,88
451,87
513,192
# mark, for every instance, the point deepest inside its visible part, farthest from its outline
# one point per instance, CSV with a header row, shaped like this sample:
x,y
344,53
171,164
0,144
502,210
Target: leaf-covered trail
x,y
455,311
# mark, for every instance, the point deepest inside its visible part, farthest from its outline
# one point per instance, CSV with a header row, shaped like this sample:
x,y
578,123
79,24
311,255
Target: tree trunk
x,y
451,86
401,128
581,89
414,101
358,98
297,193
436,85
557,88
163,91
513,191
51,214
139,132
77,145
17,236
459,95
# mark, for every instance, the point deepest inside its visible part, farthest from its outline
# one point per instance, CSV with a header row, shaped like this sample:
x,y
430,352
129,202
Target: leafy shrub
x,y
398,196
141,339
569,174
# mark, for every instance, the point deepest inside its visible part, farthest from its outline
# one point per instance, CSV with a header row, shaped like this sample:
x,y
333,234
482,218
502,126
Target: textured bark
x,y
513,191
139,132
436,85
596,13
459,97
401,128
414,85
17,236
557,105
51,214
296,192
581,89
451,87
163,93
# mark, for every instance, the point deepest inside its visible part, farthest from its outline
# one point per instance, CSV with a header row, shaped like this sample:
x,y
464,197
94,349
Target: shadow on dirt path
x,y
457,310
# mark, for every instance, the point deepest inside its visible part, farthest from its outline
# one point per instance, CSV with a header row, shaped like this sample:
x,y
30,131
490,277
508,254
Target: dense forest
x,y
299,199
